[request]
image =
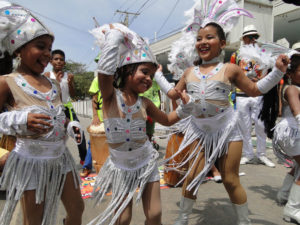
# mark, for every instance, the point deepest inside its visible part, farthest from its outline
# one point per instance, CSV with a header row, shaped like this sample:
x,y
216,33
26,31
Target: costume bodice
x,y
210,91
286,110
127,130
29,99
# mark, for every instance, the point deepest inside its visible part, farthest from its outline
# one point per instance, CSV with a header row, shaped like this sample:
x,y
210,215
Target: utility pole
x,y
126,21
96,22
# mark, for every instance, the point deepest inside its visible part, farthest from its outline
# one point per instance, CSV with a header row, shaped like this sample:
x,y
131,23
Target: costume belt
x,y
214,123
132,160
39,149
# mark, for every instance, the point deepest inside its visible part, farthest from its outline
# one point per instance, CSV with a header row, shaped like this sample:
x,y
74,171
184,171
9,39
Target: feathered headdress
x,y
182,55
222,12
134,49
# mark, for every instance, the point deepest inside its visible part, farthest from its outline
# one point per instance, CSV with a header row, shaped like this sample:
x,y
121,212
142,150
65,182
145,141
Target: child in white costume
x,y
127,64
213,131
286,136
40,169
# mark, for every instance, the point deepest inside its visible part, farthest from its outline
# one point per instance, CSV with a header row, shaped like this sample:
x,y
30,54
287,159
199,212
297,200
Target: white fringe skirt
x,y
122,174
214,134
48,174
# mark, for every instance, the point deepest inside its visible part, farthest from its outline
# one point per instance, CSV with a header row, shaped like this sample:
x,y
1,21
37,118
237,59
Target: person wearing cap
x,y
249,107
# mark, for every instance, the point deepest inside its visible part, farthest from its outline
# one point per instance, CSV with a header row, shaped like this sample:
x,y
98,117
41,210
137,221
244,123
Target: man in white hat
x,y
296,46
249,107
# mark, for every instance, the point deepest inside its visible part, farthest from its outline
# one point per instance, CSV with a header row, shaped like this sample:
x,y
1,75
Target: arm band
x,y
164,85
13,122
269,81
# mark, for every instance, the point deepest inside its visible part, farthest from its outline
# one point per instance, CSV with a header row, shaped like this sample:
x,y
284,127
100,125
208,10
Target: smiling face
x,y
209,45
141,81
35,55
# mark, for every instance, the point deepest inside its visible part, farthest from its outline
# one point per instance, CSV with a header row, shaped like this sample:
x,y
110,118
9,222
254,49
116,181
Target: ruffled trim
x,y
50,174
214,144
123,185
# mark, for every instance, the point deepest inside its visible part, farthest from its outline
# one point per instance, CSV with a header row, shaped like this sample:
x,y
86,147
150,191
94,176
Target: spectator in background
x,y
66,81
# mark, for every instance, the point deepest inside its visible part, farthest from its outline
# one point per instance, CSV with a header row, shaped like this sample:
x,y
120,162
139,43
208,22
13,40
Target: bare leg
x,y
32,212
73,203
152,203
198,167
229,168
125,216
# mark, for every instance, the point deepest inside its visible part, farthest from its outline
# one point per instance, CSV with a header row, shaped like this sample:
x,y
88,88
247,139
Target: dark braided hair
x,y
270,110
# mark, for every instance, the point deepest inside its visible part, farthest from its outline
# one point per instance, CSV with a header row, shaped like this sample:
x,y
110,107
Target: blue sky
x,y
70,21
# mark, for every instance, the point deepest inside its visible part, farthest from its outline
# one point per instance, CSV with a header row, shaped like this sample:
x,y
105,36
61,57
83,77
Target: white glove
x,y
71,132
185,110
164,85
13,122
109,58
269,81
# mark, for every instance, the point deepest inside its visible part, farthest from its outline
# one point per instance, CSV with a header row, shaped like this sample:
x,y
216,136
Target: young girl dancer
x,y
213,129
40,170
126,63
286,136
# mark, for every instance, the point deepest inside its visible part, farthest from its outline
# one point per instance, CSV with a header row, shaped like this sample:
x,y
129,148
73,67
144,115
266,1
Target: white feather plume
x,y
255,53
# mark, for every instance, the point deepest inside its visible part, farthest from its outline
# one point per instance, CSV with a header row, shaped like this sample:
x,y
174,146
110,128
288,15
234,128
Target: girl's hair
x,y
221,34
270,107
6,64
123,72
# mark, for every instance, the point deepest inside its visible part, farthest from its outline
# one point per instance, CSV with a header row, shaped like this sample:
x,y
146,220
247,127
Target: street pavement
x,y
212,207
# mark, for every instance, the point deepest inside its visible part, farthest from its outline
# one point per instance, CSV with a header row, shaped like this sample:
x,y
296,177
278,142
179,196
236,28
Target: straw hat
x,y
296,46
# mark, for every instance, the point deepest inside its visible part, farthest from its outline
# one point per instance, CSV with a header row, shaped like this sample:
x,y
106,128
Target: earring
x,y
289,81
17,62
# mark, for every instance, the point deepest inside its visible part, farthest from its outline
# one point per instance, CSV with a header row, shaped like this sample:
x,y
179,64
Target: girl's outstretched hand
x,y
183,96
282,63
38,123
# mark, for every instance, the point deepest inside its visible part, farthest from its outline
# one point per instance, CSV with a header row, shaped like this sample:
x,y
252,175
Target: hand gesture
x,y
183,96
282,63
37,123
77,134
159,68
96,121
70,79
59,76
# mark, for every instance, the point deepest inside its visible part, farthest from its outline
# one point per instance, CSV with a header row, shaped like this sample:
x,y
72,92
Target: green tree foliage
x,y
82,78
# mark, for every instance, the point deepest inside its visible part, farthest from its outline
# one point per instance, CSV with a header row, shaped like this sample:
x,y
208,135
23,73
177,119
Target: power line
x,y
139,11
60,23
172,10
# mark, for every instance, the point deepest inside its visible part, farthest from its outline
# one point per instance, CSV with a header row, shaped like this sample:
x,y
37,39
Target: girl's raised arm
x,y
236,76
